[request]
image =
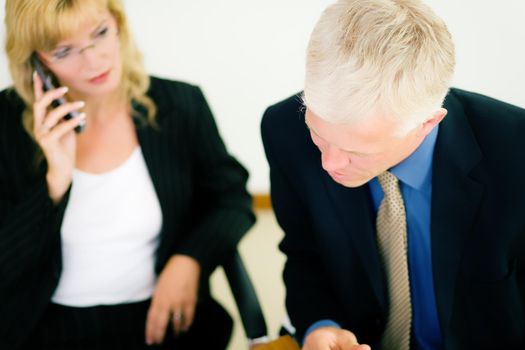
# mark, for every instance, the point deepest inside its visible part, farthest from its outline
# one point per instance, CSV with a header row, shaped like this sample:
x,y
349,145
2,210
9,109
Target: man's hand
x,y
332,338
174,299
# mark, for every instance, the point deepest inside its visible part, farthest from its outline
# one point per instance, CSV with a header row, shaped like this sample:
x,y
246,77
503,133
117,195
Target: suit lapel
x,y
455,199
354,210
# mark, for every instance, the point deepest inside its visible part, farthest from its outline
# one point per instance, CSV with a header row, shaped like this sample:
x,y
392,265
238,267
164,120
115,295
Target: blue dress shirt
x,y
415,178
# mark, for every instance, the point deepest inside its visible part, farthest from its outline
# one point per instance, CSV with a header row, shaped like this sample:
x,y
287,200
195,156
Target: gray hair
x,y
392,57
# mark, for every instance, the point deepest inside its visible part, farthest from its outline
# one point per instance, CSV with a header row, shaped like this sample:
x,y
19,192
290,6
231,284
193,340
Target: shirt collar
x,y
416,170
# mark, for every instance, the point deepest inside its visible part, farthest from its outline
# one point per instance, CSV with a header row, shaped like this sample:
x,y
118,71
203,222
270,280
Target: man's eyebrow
x,y
311,129
306,123
344,150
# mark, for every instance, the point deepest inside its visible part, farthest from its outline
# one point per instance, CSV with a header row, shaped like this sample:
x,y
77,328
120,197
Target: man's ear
x,y
433,121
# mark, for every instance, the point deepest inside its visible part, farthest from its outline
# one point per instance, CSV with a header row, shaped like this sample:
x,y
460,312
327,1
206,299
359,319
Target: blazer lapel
x,y
455,199
354,210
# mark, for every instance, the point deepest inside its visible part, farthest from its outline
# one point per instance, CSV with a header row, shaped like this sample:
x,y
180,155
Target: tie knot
x,y
388,182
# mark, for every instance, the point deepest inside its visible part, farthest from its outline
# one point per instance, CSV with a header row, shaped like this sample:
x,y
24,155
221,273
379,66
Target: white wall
x,y
247,55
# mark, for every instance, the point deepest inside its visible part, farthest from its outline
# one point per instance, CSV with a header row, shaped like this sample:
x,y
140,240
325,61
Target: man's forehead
x,y
362,136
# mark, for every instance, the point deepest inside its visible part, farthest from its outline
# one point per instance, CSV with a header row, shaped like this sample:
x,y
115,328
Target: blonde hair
x,y
33,25
389,57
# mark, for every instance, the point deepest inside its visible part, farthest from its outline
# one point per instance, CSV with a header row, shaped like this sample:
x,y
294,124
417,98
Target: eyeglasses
x,y
103,39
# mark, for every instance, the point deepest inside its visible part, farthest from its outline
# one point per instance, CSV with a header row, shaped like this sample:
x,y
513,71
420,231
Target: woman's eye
x,y
61,54
102,32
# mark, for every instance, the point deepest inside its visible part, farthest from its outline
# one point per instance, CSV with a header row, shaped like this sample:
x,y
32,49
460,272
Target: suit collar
x,y
416,170
354,208
455,199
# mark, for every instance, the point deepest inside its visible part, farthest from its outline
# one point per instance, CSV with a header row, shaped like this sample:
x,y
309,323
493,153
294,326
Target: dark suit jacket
x,y
477,228
201,188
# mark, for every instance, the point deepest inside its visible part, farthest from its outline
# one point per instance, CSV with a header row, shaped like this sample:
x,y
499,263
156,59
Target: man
x,y
440,263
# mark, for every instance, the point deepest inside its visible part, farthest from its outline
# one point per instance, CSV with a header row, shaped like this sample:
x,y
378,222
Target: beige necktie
x,y
392,239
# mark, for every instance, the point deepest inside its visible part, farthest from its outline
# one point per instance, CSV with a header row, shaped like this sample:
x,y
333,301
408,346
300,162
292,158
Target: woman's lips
x,y
100,79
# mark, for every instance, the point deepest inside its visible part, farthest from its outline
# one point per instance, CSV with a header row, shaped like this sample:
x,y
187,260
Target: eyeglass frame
x,y
110,32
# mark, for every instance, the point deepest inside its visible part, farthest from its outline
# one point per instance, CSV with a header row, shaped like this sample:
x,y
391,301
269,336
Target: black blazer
x,y
201,189
477,228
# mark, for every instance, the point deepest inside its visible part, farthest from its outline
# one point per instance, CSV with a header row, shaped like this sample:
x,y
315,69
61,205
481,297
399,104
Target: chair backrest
x,y
245,297
250,310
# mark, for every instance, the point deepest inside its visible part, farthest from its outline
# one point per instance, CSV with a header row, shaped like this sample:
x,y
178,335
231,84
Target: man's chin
x,y
351,183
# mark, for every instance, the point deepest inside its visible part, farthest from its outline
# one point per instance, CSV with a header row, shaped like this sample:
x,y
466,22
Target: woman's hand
x,y
174,299
55,136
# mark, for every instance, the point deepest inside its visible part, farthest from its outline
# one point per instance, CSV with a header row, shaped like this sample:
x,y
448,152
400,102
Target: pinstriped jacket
x,y
201,189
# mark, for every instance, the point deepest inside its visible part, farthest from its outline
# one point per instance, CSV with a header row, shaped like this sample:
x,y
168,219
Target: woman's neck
x,y
100,110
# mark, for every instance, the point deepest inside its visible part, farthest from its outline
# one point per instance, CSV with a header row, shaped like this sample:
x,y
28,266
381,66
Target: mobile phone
x,y
50,83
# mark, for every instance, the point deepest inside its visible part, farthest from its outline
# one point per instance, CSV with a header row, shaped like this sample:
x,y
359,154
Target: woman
x,y
108,236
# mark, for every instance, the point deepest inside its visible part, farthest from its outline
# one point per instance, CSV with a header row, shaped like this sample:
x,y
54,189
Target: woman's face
x,y
89,62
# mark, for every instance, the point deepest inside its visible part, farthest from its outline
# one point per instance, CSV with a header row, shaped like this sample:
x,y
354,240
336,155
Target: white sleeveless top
x,y
110,234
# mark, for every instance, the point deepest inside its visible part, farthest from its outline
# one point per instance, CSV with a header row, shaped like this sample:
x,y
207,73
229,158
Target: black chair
x,y
245,297
250,310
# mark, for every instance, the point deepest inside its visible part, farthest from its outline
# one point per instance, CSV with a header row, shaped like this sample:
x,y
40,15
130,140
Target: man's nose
x,y
334,159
